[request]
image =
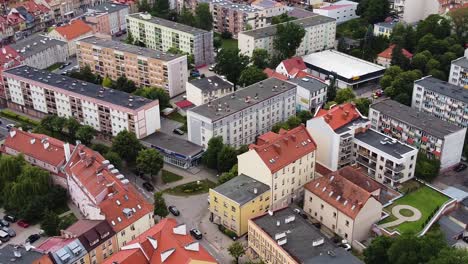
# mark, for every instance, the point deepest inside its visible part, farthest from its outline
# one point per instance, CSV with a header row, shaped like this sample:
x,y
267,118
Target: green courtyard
x,y
424,199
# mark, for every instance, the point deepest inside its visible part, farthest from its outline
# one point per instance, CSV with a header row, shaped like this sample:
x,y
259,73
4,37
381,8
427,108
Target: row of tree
x,y
68,129
220,156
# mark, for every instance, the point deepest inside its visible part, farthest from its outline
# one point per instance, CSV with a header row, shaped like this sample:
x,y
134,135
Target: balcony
x,y
366,163
366,154
396,168
394,177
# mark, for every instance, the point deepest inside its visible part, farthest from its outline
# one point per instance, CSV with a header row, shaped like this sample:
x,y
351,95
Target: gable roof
x,y
345,189
91,233
294,63
387,54
74,30
277,150
160,244
272,73
340,115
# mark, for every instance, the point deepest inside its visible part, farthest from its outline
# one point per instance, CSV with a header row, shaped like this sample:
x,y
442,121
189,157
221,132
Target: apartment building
x,y
201,91
459,71
166,242
64,250
320,35
441,99
342,11
345,201
384,29
72,32
412,11
437,138
241,116
41,51
282,236
146,67
160,34
311,93
40,93
235,17
108,18
270,8
344,138
101,192
236,201
283,161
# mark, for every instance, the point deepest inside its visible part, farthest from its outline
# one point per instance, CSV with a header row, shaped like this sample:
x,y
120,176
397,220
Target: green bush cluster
x,y
227,232
17,117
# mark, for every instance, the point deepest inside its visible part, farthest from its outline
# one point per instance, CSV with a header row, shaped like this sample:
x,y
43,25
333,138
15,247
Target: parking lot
x,y
22,233
450,177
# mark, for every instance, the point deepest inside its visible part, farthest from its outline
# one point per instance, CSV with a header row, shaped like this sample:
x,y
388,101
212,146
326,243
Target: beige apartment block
x,y
144,66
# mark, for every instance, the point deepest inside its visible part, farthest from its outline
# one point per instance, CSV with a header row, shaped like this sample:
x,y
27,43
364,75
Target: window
x,y
347,223
334,216
310,199
321,206
233,208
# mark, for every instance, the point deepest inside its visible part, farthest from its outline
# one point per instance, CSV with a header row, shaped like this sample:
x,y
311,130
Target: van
x,y
4,237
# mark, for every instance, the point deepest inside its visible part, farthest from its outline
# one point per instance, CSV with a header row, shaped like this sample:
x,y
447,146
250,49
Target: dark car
x,y
173,210
62,66
3,222
148,186
178,131
10,218
196,233
460,167
33,238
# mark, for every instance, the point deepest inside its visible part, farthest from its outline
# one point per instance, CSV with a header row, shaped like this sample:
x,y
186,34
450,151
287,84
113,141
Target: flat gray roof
x,y
300,235
80,87
123,47
236,102
234,6
374,139
389,25
311,84
172,144
169,24
241,189
300,13
430,124
462,62
108,7
445,88
35,44
304,22
211,83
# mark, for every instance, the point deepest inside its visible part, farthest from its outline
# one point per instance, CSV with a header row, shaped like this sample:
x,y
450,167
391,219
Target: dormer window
x,y
105,235
94,242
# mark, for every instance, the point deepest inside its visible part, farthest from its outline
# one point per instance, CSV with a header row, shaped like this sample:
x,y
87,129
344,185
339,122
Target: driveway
x,y
450,177
3,123
168,125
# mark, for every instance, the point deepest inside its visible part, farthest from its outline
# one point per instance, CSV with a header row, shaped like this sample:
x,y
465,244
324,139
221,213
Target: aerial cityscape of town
x,y
234,131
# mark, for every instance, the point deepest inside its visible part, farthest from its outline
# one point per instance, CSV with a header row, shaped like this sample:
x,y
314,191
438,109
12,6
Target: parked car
x,y
344,244
148,186
173,210
178,131
301,213
460,167
33,238
10,231
23,223
211,68
67,64
3,222
4,237
10,218
195,74
62,66
196,233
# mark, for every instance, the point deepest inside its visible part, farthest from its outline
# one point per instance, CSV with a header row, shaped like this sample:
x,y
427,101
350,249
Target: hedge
x,y
17,117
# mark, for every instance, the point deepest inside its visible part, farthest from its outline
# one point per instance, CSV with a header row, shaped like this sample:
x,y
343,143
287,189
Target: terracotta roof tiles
x,y
294,63
74,30
340,115
387,54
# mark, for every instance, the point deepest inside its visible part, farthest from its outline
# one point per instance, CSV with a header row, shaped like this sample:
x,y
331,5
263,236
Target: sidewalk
x,y
203,174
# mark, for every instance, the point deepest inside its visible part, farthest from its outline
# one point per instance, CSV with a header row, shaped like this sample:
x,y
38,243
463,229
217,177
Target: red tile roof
x,y
161,239
184,104
387,54
100,180
340,115
74,30
53,244
279,150
272,73
34,8
9,57
38,146
346,190
303,74
294,63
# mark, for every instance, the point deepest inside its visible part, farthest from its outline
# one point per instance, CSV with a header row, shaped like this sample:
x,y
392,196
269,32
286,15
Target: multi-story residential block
x,y
384,29
43,16
344,138
72,32
270,8
201,91
110,17
385,57
236,201
284,162
96,236
64,250
284,237
9,58
320,35
61,9
311,93
342,11
346,202
241,116
459,71
102,193
41,51
40,93
441,99
161,34
6,30
436,138
146,67
166,242
412,11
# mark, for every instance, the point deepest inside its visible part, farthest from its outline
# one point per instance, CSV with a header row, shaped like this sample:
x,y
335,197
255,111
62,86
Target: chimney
x,y
66,149
255,190
46,145
12,133
278,223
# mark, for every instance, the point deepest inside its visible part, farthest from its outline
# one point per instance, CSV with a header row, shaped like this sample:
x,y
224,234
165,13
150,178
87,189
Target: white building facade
x,y
342,11
201,91
459,71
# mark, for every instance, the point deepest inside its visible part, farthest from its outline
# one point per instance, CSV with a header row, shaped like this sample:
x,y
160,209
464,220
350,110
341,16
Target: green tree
x,y
114,159
373,11
377,252
288,38
85,74
281,19
435,25
426,169
293,122
329,104
10,168
124,84
143,6
362,105
344,95
236,250
210,157
126,145
231,63
161,8
85,134
149,161
304,115
186,17
107,82
460,23
419,61
72,126
50,223
399,59
130,40
54,124
226,158
260,58
251,75
432,64
450,256
160,208
155,93
226,176
331,89
203,17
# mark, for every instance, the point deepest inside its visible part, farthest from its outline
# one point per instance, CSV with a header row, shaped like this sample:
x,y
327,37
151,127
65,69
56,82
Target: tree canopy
x,y
251,75
260,58
160,208
126,145
373,10
149,161
236,250
231,63
155,93
203,17
288,38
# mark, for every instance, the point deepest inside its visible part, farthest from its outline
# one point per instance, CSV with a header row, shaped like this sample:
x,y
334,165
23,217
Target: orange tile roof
x,y
340,115
272,73
294,63
34,145
110,194
284,148
387,54
160,239
74,30
45,259
340,189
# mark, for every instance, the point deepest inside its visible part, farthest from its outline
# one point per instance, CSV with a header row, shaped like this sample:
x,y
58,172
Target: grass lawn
x,y
67,221
168,177
177,117
191,188
425,199
54,66
229,43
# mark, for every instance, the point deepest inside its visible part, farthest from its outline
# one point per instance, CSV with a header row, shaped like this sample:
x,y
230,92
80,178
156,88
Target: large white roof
x,y
341,63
